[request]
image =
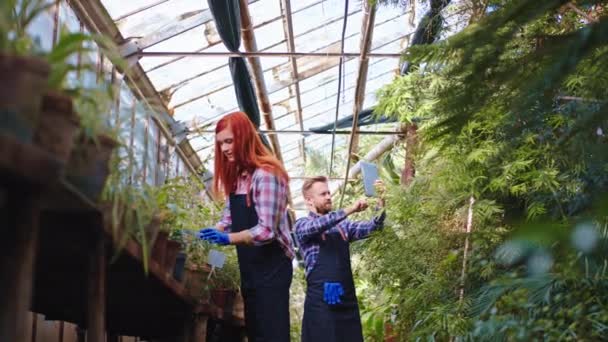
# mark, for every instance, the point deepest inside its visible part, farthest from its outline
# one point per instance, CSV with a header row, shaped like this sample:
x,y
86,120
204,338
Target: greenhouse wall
x,y
139,131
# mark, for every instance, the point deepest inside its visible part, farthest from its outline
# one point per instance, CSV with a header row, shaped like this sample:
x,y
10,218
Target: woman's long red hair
x,y
249,154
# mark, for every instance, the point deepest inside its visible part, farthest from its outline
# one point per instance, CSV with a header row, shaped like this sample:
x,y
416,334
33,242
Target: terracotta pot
x,y
195,281
23,80
57,126
88,167
220,297
238,310
159,248
173,247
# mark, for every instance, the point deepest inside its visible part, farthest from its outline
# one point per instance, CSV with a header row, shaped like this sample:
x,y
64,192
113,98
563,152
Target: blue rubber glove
x,y
214,236
332,293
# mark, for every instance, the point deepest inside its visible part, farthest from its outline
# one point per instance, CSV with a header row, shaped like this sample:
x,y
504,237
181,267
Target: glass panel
x,y
67,17
321,15
174,159
211,82
41,30
212,106
158,17
118,8
152,161
138,148
162,169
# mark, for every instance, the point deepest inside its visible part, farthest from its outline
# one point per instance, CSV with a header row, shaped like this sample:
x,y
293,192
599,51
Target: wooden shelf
x,y
22,164
68,262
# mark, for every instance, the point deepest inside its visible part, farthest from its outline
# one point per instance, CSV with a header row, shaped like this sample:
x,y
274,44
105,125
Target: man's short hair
x,y
309,182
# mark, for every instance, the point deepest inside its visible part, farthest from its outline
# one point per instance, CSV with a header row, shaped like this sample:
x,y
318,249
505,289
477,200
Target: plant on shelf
x,y
131,209
228,277
23,73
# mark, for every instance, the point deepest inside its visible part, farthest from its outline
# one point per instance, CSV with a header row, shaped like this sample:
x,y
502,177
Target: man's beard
x,y
324,209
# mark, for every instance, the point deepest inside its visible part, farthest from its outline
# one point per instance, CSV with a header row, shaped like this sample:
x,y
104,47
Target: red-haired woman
x,y
255,220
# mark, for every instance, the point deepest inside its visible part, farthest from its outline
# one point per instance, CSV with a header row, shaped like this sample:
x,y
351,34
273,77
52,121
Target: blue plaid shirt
x,y
309,231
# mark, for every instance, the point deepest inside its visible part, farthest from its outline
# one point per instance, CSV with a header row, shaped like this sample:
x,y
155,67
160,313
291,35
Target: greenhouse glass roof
x,y
187,62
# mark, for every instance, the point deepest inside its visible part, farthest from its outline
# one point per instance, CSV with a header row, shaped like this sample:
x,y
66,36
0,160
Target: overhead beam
x,y
184,22
258,74
211,120
367,29
309,66
132,47
256,25
288,30
366,39
305,132
256,54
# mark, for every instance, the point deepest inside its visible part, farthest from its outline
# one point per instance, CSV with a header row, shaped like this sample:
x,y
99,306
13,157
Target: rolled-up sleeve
x,y
270,198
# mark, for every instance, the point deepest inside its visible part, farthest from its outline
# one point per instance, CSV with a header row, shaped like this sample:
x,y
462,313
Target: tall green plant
x,y
16,16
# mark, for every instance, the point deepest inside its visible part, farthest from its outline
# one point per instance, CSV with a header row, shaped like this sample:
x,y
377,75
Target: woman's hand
x,y
214,236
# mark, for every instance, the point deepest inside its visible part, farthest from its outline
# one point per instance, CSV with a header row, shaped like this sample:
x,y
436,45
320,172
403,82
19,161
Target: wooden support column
x,y
199,329
369,18
367,32
411,144
113,338
96,294
18,247
258,75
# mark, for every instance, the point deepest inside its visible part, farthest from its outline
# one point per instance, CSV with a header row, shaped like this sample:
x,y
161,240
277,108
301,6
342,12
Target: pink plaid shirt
x,y
269,194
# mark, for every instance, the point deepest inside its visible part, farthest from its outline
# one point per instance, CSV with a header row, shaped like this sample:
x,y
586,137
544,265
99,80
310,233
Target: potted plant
x,y
225,282
132,211
184,212
58,123
88,166
23,73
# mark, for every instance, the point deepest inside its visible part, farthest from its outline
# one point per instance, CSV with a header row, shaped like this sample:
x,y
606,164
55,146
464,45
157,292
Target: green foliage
x,y
511,112
15,18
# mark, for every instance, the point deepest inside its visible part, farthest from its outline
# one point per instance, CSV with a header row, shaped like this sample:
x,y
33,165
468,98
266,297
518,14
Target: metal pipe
x,y
212,120
263,54
304,132
255,26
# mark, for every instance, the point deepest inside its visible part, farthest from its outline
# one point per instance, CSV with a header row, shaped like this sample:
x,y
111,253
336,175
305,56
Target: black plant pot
x,y
178,269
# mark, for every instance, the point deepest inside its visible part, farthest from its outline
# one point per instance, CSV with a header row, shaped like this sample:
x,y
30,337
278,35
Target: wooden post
x,y
17,254
113,338
465,256
61,329
199,329
80,334
96,296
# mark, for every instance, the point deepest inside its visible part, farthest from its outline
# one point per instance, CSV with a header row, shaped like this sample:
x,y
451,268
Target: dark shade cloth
x,y
266,274
227,16
243,88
